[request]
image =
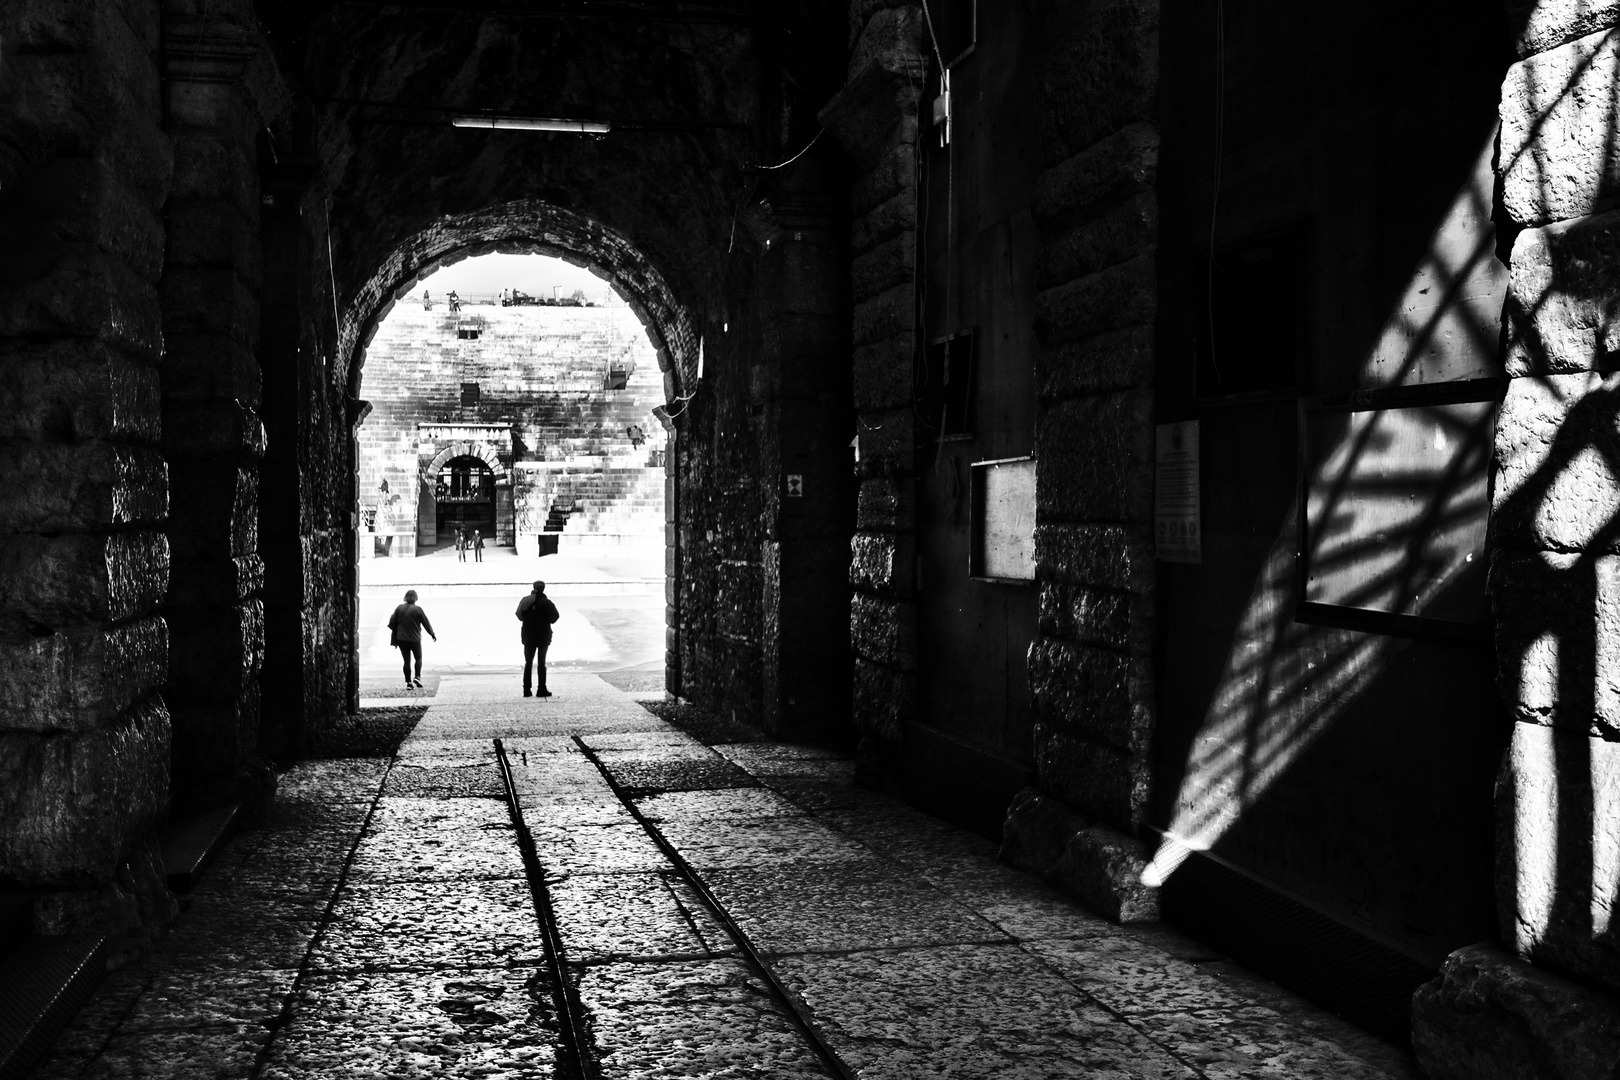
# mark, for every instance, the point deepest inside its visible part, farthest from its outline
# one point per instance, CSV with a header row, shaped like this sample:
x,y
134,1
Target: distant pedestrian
x,y
427,303
405,633
478,547
461,544
536,612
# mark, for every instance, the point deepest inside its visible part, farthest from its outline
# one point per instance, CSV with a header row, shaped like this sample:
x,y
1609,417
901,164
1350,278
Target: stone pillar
x,y
1544,1003
84,563
213,438
874,119
1090,668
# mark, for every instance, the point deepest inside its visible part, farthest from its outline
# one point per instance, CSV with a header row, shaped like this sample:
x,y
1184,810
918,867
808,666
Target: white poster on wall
x,y
1175,493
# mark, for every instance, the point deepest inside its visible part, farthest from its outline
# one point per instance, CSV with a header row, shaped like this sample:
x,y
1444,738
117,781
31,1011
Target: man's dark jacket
x,y
537,613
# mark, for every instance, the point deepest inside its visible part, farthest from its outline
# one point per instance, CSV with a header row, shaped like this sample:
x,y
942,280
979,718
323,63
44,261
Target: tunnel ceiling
x,y
696,94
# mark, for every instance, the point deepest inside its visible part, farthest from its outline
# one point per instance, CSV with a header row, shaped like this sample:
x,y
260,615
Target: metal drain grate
x,y
43,984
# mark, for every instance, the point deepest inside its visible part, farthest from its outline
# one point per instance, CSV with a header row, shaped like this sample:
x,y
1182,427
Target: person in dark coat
x,y
536,612
405,626
477,546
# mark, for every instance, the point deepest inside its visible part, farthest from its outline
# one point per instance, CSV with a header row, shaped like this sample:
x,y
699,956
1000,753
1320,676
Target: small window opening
x,y
944,386
469,393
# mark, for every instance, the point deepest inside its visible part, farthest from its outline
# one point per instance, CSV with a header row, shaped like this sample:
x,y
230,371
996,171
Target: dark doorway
x,y
464,492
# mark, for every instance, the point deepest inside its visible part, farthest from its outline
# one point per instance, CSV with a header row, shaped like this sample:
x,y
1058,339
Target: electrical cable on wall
x,y
1215,199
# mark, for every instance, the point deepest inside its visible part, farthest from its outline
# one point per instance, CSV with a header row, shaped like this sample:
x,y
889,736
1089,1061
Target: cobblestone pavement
x,y
382,926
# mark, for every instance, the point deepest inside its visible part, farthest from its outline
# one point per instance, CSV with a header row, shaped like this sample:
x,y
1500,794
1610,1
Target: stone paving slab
x,y
404,925
862,904
492,1023
616,917
728,804
715,844
482,781
968,1012
603,849
712,1019
437,840
327,782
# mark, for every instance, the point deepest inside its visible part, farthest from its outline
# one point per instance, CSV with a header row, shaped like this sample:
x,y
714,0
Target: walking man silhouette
x,y
536,612
406,625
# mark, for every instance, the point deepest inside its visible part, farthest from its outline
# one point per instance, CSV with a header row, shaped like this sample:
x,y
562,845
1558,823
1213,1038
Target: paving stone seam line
x,y
289,1004
577,1040
796,1010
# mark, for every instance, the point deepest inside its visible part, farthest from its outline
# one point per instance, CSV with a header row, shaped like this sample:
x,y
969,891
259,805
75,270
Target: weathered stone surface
x,y
1559,158
1115,169
1104,868
883,699
1099,694
894,174
886,315
79,679
80,486
877,107
883,375
85,199
1102,556
1563,299
884,630
888,219
213,232
1489,1016
1555,486
217,649
1120,296
55,582
883,562
1095,779
1116,360
887,443
1037,831
202,366
87,294
891,263
208,167
75,25
218,502
1558,857
1539,25
208,300
1101,73
886,504
81,97
1094,459
77,389
1116,620
72,806
1558,639
1116,235
215,739
225,428
880,26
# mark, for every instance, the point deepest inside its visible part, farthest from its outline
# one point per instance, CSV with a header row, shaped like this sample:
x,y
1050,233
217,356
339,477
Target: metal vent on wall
x,y
1298,947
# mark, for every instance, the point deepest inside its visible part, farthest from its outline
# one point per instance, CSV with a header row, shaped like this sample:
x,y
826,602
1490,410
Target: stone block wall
x,y
213,435
875,119
540,369
84,560
1554,591
1091,668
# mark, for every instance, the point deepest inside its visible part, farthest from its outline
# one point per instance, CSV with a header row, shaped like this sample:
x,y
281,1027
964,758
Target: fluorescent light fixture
x,y
532,123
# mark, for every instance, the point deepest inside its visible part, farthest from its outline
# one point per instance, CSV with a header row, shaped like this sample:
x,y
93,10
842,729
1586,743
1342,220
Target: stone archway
x,y
538,228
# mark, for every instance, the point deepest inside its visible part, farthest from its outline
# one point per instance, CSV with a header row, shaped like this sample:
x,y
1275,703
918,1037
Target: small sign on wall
x,y
1001,541
1175,493
795,485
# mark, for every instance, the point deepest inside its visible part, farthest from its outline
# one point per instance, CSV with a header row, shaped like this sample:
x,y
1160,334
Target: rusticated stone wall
x,y
84,561
1090,668
1555,590
874,119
